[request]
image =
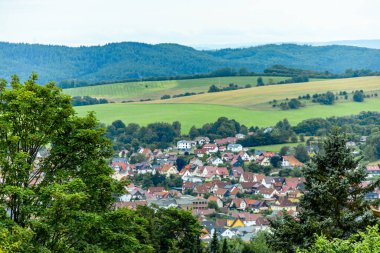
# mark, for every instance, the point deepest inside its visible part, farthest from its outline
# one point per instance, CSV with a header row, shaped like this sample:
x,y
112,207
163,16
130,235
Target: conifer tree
x,y
334,201
214,244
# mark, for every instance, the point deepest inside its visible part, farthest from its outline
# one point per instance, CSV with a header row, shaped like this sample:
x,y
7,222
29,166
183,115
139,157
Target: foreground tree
x,y
334,199
365,242
57,191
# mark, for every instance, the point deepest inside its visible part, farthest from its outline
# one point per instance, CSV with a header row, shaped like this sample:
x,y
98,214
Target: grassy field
x,y
254,97
199,114
156,89
276,148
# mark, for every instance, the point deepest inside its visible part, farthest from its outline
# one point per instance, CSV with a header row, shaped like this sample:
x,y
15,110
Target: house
x,y
247,177
268,193
246,187
119,164
142,168
196,161
167,170
290,162
201,190
215,161
373,170
237,171
234,222
284,204
239,204
225,141
187,186
234,147
202,140
222,148
153,190
185,145
200,152
263,160
267,182
249,219
211,148
218,201
237,162
228,233
245,157
262,224
147,152
233,192
221,193
228,156
239,136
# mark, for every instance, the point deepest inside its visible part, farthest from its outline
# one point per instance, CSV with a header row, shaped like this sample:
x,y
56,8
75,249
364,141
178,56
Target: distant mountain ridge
x,y
121,61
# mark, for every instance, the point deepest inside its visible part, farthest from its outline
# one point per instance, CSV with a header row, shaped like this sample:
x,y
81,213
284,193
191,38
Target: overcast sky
x,y
189,22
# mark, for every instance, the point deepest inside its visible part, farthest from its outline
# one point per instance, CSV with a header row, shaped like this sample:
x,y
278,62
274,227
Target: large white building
x,y
185,145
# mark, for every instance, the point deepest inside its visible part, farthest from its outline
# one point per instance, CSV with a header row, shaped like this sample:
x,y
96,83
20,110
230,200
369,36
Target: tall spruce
x,y
334,201
214,244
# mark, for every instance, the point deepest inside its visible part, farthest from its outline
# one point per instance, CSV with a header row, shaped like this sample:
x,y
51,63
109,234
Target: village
x,y
216,185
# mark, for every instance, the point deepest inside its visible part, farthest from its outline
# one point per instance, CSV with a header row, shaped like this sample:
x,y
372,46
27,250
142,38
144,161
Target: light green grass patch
x,y
199,114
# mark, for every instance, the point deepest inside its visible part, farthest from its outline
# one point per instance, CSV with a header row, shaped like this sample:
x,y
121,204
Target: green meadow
x,y
199,114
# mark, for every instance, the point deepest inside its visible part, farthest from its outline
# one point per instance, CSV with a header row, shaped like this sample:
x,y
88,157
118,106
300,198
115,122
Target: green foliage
x,y
157,135
301,153
147,180
117,61
221,128
372,147
87,100
358,96
171,229
364,242
214,244
333,203
280,133
63,201
260,81
213,204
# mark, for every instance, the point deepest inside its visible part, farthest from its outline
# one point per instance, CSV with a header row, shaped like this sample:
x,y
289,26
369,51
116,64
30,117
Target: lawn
x,y
199,114
276,147
253,97
155,89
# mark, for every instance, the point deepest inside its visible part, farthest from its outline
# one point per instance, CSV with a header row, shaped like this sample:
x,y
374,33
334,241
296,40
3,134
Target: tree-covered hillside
x,y
121,61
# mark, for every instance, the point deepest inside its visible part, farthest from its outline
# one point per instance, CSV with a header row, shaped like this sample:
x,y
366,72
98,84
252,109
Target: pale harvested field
x,y
253,96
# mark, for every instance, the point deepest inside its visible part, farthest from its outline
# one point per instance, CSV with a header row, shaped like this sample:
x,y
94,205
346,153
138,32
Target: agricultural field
x,y
156,89
254,97
276,147
199,114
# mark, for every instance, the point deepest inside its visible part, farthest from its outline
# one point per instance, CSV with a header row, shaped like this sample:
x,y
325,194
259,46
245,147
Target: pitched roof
x,y
155,189
248,176
292,161
373,167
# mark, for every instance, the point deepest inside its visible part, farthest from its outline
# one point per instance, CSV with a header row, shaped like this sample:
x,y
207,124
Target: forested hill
x,y
121,61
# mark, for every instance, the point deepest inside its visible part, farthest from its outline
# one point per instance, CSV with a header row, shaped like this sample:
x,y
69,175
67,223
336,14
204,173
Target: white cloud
x,y
78,22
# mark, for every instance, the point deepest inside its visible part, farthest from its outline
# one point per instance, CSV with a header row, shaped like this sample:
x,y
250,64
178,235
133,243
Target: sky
x,y
199,23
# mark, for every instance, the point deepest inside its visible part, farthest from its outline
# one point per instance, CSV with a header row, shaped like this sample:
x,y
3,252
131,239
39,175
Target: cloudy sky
x,y
189,22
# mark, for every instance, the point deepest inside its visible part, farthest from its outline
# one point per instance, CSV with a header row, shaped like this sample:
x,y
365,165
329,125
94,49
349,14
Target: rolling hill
x,y
250,98
245,106
155,89
122,61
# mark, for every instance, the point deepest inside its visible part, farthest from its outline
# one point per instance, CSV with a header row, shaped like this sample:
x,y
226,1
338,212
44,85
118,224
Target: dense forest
x,y
129,60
